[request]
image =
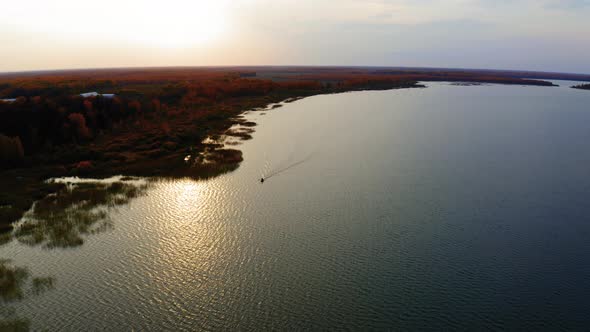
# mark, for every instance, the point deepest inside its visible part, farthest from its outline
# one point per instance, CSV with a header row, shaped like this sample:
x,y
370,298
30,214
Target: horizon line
x,y
48,71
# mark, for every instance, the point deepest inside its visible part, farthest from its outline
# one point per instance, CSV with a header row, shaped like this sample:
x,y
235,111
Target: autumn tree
x,y
87,105
134,107
78,123
11,151
156,105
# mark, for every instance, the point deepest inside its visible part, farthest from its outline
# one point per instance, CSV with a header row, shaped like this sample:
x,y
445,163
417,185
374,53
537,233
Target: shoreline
x,y
27,185
180,152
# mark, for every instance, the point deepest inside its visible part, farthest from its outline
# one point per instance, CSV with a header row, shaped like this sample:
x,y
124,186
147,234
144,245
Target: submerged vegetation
x,y
152,122
16,284
63,219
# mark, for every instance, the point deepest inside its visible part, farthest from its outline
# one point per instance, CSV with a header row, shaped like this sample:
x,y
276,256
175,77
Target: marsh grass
x,y
16,284
294,99
18,193
64,219
242,133
12,280
9,321
212,162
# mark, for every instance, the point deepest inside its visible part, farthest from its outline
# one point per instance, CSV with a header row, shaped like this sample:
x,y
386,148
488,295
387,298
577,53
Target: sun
x,y
177,24
120,23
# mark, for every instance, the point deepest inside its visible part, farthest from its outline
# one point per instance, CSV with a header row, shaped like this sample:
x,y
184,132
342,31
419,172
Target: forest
x,y
145,121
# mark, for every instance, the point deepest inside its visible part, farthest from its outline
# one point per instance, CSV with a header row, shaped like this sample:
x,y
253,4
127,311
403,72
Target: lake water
x,y
450,207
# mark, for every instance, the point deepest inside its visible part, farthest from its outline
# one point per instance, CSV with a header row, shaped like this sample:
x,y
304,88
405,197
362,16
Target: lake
x,y
448,207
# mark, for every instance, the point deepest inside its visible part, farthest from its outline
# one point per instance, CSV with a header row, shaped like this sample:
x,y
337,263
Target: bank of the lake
x,y
145,149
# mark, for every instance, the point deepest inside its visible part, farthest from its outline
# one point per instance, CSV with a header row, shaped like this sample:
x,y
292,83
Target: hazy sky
x,y
547,35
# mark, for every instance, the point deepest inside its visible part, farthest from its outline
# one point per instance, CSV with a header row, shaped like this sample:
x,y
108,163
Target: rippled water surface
x,y
447,207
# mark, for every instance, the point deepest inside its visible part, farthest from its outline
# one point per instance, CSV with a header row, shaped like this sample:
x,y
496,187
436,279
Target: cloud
x,y
568,4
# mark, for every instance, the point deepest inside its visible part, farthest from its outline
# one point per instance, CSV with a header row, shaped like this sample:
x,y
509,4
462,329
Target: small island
x,y
582,86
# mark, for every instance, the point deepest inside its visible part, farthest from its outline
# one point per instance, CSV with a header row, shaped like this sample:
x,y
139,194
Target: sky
x,y
545,35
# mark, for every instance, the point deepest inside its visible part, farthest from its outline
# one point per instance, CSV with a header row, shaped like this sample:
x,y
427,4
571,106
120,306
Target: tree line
x,y
40,123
